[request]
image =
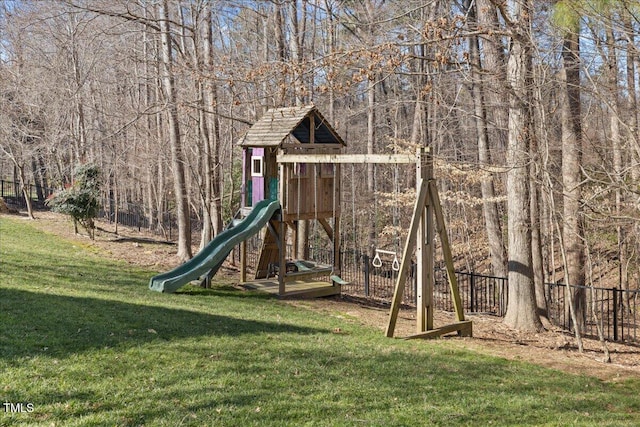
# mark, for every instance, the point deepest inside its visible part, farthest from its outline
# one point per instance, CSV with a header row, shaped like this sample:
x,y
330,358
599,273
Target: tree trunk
x,y
331,43
78,125
634,132
570,115
25,192
631,59
489,205
521,311
211,104
616,148
494,65
537,260
297,87
152,206
205,169
371,177
177,156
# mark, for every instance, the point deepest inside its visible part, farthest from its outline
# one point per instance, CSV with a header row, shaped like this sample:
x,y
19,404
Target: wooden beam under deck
x,y
297,289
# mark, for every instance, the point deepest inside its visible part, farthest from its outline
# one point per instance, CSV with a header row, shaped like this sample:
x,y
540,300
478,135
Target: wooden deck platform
x,y
294,289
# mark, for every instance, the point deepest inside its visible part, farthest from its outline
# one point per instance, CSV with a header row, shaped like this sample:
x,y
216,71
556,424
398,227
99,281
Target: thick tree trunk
x,y
177,156
521,311
537,260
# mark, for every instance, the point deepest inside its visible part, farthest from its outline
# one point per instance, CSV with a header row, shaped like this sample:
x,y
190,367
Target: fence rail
x,y
12,194
615,310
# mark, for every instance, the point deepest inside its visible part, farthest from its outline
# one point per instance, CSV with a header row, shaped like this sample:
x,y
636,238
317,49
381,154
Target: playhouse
x,y
306,191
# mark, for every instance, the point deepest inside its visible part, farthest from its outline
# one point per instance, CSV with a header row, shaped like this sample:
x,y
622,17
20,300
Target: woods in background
x,y
531,109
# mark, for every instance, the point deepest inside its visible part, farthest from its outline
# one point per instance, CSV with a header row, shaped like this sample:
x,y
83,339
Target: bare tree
x,y
490,205
571,125
521,310
173,122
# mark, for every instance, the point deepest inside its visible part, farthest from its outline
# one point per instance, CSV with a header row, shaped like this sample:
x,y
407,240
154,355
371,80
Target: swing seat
x,y
339,280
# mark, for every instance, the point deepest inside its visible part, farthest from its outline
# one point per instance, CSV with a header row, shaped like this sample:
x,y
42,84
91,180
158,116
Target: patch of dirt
x,y
5,209
554,348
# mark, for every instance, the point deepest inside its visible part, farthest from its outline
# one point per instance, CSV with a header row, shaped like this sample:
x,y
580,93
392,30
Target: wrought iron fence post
x,y
365,259
615,313
472,285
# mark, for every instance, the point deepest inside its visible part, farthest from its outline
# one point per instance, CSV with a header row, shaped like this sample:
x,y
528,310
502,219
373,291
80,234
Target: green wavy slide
x,y
211,257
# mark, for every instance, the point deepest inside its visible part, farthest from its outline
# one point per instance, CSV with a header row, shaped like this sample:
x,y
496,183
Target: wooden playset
x,y
293,155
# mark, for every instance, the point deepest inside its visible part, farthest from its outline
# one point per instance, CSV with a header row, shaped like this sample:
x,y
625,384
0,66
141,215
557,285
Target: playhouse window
x,y
257,166
327,170
300,170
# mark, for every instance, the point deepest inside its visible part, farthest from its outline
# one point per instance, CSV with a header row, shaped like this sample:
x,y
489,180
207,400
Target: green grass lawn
x,y
85,343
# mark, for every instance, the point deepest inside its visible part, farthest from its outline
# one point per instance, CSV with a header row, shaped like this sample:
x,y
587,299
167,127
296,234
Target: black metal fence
x,y
615,310
12,194
163,223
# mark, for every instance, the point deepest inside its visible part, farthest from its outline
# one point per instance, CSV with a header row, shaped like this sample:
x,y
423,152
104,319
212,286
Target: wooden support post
x,y
406,256
283,177
429,250
243,261
312,129
337,265
446,251
427,208
282,258
424,252
295,230
326,227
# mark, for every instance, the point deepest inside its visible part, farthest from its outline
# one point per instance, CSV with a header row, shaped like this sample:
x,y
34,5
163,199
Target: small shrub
x,y
80,201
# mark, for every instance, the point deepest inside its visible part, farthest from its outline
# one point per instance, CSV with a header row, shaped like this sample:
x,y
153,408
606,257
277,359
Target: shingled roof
x,y
277,123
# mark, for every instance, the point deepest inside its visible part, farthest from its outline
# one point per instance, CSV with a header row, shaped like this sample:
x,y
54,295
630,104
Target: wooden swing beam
x,y
347,158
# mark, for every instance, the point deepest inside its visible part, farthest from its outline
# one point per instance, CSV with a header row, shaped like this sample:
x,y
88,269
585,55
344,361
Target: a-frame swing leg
x,y
418,210
462,327
446,251
428,191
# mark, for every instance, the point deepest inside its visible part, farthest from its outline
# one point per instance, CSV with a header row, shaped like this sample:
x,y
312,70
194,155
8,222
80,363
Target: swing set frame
x,y
426,221
279,151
